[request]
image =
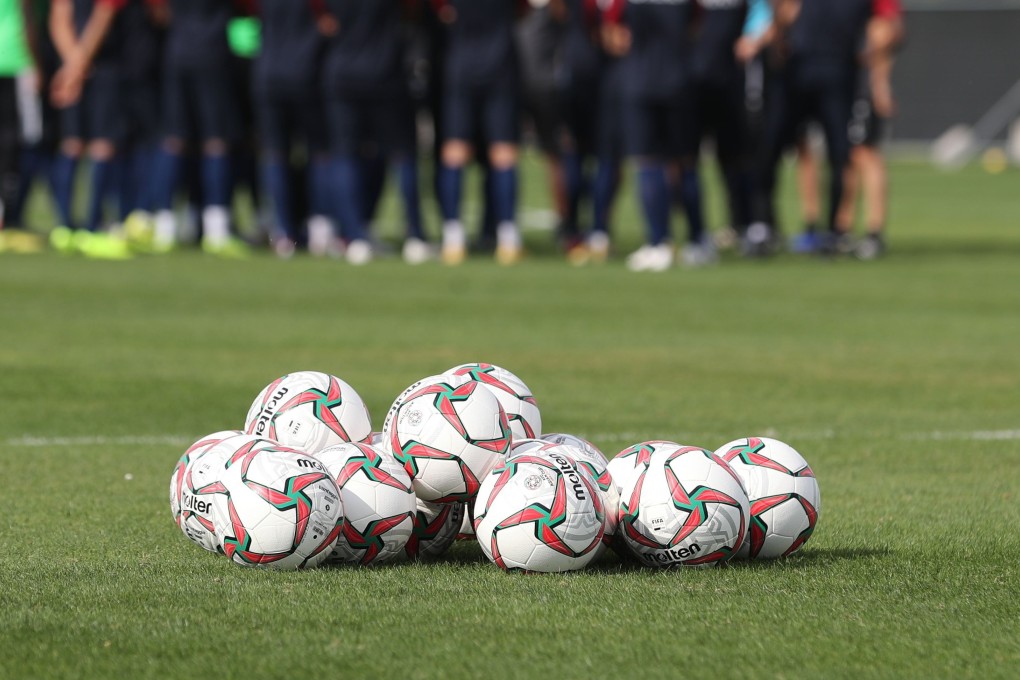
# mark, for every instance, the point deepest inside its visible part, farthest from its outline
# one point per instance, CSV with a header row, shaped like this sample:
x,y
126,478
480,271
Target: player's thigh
x,y
393,122
582,118
460,115
682,124
102,102
500,109
176,106
217,111
344,125
273,123
832,107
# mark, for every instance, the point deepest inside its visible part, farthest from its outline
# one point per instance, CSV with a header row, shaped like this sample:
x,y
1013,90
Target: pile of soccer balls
x,y
462,455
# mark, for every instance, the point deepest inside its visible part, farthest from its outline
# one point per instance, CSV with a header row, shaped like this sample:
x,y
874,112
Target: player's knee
x,y
503,156
72,147
456,153
101,150
173,146
214,147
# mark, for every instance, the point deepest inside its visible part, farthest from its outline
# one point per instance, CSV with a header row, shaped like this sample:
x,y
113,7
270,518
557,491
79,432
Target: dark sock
x,y
63,187
348,197
276,179
34,162
373,179
690,199
319,187
165,177
125,184
450,188
489,221
573,174
654,193
102,177
407,175
607,178
216,187
504,194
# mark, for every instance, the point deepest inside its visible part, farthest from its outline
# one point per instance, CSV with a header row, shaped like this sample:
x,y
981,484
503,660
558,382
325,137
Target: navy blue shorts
x,y
581,117
658,128
99,113
490,112
201,105
141,112
285,119
720,113
383,125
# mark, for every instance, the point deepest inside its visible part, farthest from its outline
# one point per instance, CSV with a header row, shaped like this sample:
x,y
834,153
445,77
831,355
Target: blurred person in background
x,y
19,77
369,114
481,97
35,131
199,103
539,36
655,41
873,106
141,63
581,72
817,44
88,87
291,123
719,82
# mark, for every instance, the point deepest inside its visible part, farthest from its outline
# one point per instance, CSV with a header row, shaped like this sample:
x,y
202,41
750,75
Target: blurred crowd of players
x,y
164,99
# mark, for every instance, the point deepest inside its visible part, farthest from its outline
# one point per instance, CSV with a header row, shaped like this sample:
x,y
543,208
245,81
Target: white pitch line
x,y
29,441
34,441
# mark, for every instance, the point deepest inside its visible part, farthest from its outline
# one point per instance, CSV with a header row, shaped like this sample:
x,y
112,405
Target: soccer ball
x,y
540,513
633,459
278,507
591,460
180,469
590,450
379,504
685,507
783,491
519,447
435,529
455,381
309,411
514,396
448,438
201,487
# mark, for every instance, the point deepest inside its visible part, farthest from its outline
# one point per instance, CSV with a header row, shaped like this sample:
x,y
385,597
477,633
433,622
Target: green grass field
x,y
898,380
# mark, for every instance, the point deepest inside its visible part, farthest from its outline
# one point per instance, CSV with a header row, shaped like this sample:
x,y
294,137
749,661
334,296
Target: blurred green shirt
x,y
14,55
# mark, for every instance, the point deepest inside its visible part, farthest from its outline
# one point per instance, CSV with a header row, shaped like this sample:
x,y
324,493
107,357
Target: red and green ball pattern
x,y
446,396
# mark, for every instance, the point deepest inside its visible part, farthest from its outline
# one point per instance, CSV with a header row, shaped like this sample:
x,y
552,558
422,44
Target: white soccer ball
x,y
686,507
591,460
520,446
591,451
379,504
428,381
540,513
278,508
514,396
448,438
633,459
783,491
309,411
192,453
435,529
